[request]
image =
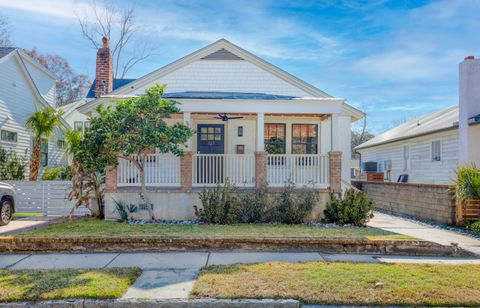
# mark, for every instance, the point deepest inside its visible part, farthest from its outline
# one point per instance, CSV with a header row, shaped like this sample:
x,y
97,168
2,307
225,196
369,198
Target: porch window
x,y
274,138
304,138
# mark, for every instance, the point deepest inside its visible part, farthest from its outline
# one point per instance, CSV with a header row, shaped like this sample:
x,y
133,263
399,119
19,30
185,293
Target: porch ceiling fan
x,y
225,117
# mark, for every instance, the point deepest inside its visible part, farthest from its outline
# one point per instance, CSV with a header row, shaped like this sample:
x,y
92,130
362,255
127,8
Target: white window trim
x,y
10,131
440,149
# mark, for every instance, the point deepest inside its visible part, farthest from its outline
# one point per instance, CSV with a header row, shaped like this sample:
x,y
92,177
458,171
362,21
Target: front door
x,y
210,140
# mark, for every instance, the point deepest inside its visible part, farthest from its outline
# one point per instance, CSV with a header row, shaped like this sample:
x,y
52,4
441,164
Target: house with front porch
x,y
255,125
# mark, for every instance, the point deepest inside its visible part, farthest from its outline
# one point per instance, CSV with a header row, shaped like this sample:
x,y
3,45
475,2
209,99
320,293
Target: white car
x,y
7,203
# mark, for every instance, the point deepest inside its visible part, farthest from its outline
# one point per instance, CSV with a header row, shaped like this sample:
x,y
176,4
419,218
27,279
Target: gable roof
x,y
427,124
117,83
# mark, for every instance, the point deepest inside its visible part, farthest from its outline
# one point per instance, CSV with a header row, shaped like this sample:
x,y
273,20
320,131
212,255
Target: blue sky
x,y
393,59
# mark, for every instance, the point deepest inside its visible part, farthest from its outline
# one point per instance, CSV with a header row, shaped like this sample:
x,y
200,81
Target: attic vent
x,y
222,54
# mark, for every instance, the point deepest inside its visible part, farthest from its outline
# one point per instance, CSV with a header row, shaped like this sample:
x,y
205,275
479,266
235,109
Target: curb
x,y
201,303
159,244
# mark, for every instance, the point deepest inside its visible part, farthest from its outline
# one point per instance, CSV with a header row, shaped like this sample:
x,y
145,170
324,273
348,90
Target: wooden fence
x,y
47,197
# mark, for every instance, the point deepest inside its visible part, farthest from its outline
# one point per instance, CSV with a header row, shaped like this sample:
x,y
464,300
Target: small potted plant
x,y
467,191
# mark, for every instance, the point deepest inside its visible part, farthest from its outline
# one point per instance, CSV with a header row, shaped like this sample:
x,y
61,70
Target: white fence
x,y
160,170
300,169
213,169
47,197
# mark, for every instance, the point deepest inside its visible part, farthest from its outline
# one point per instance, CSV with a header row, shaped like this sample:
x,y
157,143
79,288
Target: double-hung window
x,y
304,138
6,135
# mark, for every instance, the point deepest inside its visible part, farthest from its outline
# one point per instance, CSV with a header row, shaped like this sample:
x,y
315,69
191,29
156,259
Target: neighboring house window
x,y
8,136
78,126
406,157
436,151
274,138
61,144
44,153
304,138
86,125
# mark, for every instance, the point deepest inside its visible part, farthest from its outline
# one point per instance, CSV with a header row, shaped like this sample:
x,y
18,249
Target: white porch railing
x,y
160,170
213,169
300,169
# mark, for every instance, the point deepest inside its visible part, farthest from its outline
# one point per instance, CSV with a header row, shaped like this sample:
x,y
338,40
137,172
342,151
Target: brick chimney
x,y
103,71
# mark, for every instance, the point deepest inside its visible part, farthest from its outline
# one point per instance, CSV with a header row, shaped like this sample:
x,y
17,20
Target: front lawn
x,y
32,285
338,283
101,228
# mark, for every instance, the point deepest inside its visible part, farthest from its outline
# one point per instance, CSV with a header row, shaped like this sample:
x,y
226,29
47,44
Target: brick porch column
x,y
111,179
260,168
186,170
335,165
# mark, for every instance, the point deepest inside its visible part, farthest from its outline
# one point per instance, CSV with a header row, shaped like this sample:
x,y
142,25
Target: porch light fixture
x,y
240,131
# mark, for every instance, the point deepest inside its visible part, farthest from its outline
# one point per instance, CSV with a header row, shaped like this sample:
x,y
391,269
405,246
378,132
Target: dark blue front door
x,y
210,140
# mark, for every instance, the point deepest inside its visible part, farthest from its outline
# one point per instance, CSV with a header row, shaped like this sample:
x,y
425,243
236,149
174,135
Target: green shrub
x,y
467,185
253,205
293,205
57,173
124,210
353,208
12,166
51,174
218,205
475,227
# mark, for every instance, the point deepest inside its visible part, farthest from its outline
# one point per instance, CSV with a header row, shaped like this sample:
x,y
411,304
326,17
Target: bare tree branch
x,y
4,32
120,27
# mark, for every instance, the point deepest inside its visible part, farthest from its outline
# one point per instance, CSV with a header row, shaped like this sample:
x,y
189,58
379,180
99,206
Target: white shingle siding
x,y
225,76
17,103
422,168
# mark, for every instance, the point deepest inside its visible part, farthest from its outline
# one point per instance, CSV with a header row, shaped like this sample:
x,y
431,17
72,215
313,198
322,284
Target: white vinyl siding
x,y
417,161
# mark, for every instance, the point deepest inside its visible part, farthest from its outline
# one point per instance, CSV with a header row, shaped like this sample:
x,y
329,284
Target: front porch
x,y
247,150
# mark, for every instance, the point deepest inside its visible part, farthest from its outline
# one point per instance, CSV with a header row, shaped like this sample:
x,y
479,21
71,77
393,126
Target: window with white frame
x,y
78,126
436,151
6,135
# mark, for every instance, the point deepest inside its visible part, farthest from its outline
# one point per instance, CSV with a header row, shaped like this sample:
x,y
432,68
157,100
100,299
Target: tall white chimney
x,y
469,111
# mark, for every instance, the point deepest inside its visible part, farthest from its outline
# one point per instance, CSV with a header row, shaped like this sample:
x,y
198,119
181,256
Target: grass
x,y
101,228
339,283
32,285
27,214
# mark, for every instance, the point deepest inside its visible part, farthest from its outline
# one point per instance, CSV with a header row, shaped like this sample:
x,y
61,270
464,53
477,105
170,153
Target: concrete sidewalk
x,y
424,232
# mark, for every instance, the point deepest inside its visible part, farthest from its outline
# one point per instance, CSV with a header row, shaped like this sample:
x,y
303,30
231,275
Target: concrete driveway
x,y
424,232
25,224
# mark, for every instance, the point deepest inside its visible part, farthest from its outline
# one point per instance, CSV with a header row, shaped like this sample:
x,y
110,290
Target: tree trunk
x,y
143,194
35,159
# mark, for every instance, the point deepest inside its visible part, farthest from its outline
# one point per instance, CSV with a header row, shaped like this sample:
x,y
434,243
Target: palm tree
x,y
42,123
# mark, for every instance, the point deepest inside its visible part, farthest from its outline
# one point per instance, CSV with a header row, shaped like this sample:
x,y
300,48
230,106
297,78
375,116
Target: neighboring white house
x,y
428,149
254,124
75,119
26,87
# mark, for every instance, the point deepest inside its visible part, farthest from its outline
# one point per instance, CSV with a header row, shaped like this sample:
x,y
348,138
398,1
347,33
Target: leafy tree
x,y
70,86
42,123
130,129
12,166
